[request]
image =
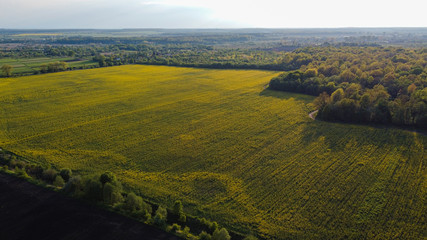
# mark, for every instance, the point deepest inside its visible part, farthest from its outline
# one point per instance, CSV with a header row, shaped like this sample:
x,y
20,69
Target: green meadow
x,y
31,65
229,149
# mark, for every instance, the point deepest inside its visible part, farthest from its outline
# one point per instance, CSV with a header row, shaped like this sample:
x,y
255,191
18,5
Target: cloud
x,y
209,13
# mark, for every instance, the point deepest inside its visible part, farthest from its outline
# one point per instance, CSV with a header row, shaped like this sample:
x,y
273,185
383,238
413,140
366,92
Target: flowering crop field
x,y
229,149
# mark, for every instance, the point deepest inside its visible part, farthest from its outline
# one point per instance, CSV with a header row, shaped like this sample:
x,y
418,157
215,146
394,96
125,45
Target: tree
x,y
66,174
100,59
412,88
133,202
175,228
34,170
322,100
49,175
160,216
74,186
347,76
378,93
353,91
204,236
53,67
312,72
59,182
221,234
178,211
7,70
43,68
112,194
107,177
93,189
214,226
338,95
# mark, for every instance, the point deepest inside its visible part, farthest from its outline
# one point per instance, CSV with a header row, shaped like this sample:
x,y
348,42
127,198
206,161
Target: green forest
x,y
362,85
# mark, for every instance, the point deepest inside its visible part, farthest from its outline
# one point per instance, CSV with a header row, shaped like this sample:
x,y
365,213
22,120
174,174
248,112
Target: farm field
x,y
230,150
30,65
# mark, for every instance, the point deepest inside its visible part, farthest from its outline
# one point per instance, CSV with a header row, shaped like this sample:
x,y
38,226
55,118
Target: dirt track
x,y
28,211
311,115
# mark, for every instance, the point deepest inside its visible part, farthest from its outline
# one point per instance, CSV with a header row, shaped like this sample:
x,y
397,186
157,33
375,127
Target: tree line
x,y
106,190
363,85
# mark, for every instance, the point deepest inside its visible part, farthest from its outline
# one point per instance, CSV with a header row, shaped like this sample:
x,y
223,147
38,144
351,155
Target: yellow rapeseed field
x,y
230,150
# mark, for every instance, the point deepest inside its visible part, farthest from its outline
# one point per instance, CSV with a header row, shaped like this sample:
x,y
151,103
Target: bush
x,y
213,226
59,181
133,202
160,217
93,189
21,173
21,164
12,164
174,228
205,236
34,170
74,186
186,231
221,235
137,207
107,177
112,194
178,211
66,174
49,175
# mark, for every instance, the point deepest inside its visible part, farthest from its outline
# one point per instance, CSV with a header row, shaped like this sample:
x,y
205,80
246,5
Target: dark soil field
x,y
28,211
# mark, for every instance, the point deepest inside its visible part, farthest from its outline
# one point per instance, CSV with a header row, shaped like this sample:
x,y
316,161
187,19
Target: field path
x,y
311,115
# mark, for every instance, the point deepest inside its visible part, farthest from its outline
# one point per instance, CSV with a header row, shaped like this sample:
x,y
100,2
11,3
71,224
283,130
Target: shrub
x,y
34,170
21,173
144,214
213,226
160,216
186,231
74,186
59,181
49,175
93,189
21,164
175,227
112,194
221,234
133,202
66,174
178,211
12,164
205,236
107,177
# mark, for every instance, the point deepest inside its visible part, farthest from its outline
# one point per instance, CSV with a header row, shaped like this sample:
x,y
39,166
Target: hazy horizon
x,y
193,14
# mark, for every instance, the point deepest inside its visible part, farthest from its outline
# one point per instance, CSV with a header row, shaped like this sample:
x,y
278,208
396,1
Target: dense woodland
x,y
362,85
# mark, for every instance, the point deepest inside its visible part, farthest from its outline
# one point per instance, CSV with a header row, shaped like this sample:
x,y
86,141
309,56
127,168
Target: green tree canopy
x,y
7,70
66,174
221,234
107,177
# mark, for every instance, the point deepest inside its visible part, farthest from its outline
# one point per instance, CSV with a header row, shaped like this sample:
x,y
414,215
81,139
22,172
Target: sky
x,y
116,14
